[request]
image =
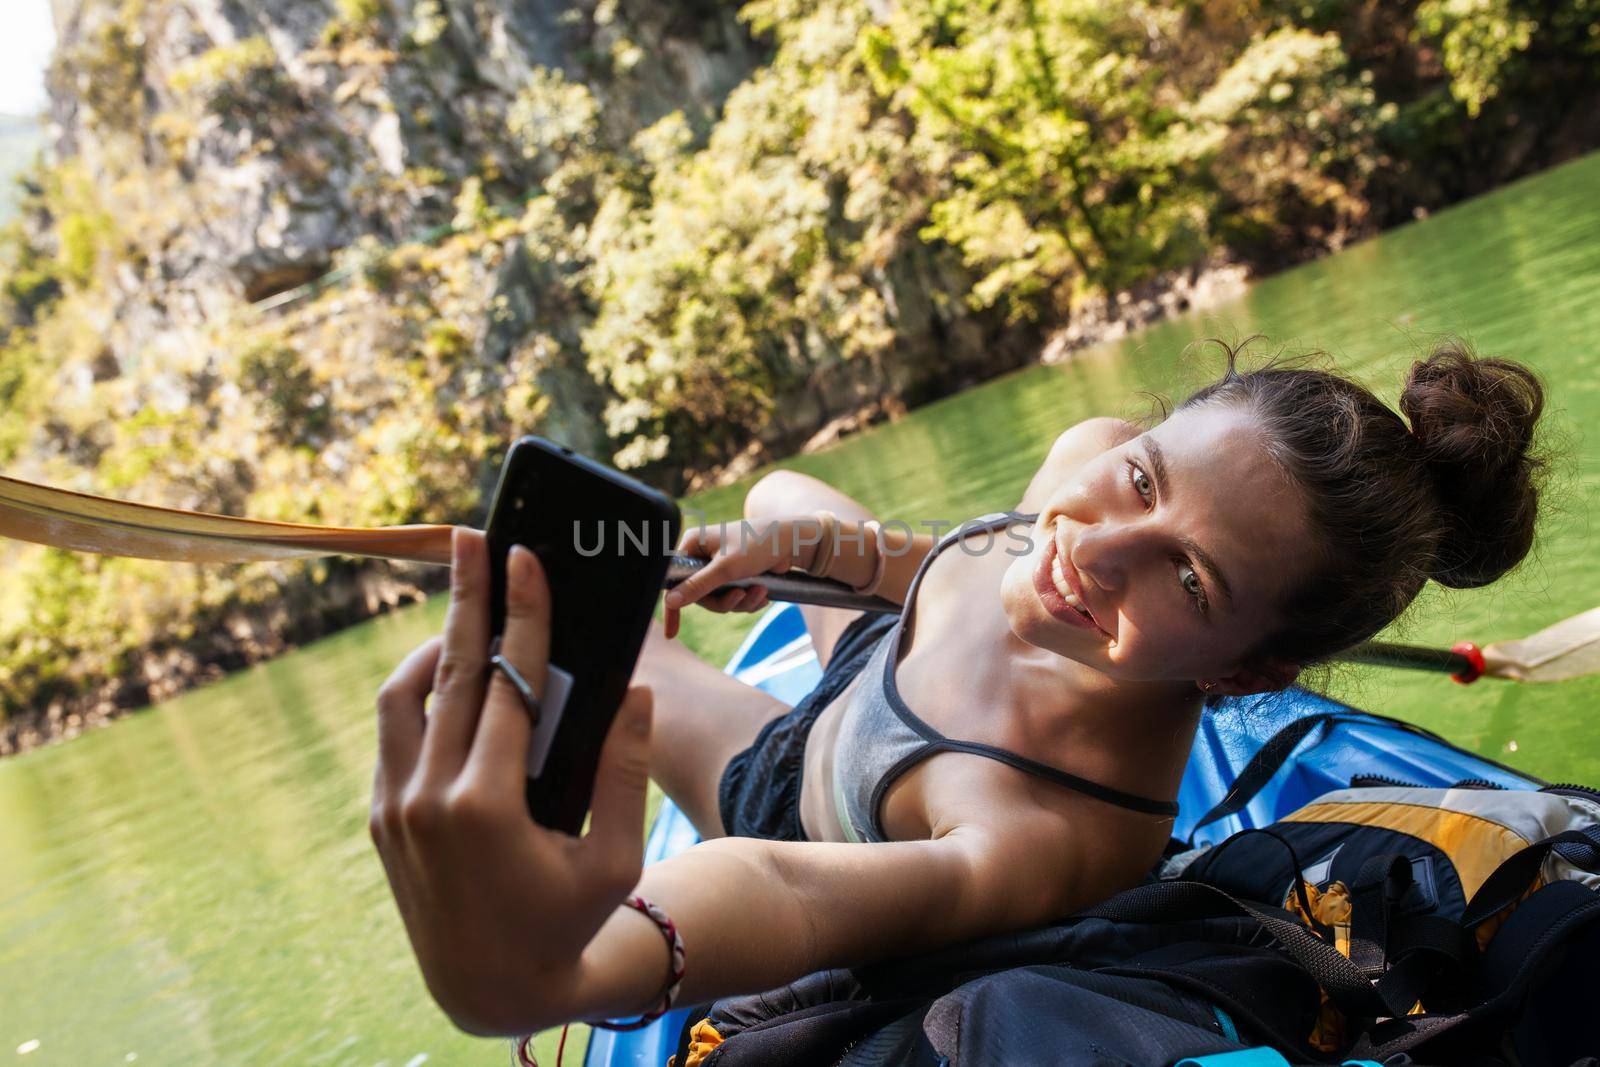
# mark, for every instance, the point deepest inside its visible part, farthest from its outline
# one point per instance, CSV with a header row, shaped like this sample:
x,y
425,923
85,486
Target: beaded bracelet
x,y
669,995
522,1047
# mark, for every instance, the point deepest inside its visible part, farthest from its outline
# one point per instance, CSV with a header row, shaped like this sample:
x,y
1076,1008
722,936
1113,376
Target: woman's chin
x,y
1033,625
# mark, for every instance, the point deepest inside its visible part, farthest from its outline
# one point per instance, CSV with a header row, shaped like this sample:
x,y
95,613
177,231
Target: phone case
x,y
605,541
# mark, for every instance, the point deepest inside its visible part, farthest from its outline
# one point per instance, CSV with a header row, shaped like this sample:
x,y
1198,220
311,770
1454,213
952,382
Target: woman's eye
x,y
1191,582
1142,484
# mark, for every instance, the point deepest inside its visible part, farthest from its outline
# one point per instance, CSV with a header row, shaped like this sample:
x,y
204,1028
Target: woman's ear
x,y
1267,676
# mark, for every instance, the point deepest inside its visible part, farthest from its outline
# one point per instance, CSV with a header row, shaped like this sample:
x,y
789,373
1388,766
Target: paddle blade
x,y
1569,649
86,523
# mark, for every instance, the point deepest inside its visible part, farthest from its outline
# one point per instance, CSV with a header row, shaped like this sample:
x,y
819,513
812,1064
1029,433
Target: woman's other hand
x,y
736,551
498,908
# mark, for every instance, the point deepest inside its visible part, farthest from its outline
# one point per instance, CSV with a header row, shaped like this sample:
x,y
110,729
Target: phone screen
x,y
605,541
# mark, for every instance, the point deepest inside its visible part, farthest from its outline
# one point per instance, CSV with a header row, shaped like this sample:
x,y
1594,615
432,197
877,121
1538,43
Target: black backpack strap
x,y
1521,950
1262,766
1379,939
1197,871
1538,924
1511,879
1403,956
1377,889
1421,948
1181,900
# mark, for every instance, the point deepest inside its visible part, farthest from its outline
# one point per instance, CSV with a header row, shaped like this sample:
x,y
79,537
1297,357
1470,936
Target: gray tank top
x,y
880,738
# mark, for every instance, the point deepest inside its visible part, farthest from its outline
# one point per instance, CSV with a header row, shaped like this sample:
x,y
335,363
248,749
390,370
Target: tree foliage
x,y
897,184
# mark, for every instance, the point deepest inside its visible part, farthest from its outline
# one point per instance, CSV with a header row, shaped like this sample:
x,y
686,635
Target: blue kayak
x,y
1254,761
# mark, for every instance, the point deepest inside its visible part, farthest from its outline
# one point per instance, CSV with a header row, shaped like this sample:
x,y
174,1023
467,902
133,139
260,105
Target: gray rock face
x,y
244,145
288,129
249,146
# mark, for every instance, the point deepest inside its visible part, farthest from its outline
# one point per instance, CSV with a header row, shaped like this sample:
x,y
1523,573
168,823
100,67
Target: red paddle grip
x,y
1474,656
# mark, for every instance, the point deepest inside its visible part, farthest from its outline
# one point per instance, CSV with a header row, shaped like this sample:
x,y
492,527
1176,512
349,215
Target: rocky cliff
x,y
212,157
253,142
320,260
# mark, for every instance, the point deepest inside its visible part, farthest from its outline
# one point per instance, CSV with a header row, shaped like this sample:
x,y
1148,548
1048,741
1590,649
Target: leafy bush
x,y
1487,44
232,78
274,372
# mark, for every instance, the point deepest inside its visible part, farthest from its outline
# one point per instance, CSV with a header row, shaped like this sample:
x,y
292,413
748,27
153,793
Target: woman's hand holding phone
x,y
498,908
735,551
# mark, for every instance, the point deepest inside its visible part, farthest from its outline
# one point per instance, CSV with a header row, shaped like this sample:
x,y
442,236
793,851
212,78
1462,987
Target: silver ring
x,y
530,699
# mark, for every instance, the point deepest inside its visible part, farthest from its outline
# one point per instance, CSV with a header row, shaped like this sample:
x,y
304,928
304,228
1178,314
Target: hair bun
x,y
1474,420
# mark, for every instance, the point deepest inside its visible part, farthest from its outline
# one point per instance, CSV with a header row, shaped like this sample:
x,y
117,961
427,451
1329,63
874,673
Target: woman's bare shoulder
x,y
1072,448
1047,851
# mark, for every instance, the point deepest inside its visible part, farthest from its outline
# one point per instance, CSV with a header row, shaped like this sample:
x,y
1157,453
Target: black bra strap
x,y
1115,797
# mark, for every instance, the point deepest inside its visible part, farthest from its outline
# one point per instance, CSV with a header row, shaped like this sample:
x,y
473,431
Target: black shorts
x,y
759,794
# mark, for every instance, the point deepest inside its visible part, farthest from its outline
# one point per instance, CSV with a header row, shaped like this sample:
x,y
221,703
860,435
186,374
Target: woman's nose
x,y
1105,550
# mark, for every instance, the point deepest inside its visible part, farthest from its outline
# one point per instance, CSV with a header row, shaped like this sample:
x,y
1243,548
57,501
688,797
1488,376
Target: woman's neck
x,y
1079,705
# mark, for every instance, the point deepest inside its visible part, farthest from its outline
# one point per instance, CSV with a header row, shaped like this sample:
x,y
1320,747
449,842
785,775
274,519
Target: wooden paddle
x,y
86,523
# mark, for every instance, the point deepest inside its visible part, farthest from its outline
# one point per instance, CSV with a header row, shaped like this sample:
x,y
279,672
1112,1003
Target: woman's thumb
x,y
622,782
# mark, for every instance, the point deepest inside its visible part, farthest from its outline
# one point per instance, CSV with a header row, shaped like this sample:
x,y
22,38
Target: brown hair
x,y
1452,497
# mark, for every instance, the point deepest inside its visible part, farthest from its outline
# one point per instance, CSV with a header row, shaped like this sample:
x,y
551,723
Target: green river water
x,y
194,885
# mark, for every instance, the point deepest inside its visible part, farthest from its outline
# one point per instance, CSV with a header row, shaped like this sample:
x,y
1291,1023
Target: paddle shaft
x,y
1413,657
790,588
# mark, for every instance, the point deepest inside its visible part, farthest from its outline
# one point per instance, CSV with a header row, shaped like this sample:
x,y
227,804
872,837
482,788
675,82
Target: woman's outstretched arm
x,y
516,927
757,914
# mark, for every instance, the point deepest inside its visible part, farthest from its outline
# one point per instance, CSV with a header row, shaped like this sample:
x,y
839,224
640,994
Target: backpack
x,y
1447,901
1376,923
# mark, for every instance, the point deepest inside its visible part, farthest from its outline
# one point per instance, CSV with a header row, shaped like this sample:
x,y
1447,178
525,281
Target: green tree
x,y
1054,119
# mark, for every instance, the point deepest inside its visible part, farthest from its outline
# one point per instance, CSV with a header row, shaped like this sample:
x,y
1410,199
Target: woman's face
x,y
1163,558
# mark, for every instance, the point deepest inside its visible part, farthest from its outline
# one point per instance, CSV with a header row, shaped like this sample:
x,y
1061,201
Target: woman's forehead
x,y
1225,442
1236,500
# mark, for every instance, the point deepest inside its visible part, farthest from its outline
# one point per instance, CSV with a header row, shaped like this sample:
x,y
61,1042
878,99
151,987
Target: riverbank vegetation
x,y
896,200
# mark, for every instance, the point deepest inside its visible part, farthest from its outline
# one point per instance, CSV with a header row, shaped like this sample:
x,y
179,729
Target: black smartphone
x,y
605,541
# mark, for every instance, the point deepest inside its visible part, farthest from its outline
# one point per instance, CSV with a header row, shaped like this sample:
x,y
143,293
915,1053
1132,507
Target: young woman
x,y
1010,744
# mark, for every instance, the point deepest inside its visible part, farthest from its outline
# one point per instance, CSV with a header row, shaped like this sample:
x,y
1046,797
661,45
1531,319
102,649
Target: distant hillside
x,y
21,137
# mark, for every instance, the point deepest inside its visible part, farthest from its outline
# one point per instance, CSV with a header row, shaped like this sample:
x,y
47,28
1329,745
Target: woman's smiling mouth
x,y
1058,588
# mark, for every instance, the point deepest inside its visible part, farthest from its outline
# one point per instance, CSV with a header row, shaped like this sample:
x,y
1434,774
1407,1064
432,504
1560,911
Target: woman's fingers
x,y
701,587
616,821
735,599
459,678
500,750
703,542
401,704
700,540
697,585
